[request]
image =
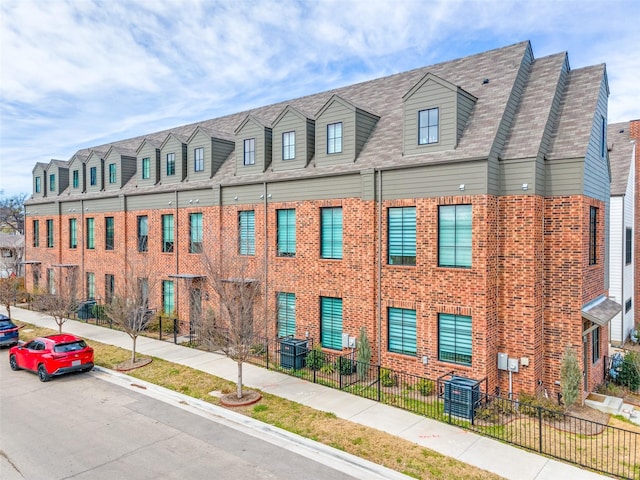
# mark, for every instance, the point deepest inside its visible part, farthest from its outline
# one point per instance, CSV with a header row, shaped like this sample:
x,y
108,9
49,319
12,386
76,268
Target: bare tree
x,y
129,306
61,302
233,326
12,212
9,288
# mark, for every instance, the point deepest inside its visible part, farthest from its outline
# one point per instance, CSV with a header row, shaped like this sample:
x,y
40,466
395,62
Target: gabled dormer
x,y
148,163
342,129
206,152
119,167
95,171
39,175
294,134
77,173
173,159
57,177
253,141
435,113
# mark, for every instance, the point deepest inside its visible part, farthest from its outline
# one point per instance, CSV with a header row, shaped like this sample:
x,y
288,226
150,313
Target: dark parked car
x,y
52,355
8,332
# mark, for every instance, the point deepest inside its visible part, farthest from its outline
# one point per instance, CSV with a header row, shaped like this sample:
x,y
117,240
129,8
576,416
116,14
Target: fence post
x,y
379,386
160,327
266,341
540,428
175,331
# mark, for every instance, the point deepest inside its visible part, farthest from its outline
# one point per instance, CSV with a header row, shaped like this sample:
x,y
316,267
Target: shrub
x,y
630,371
327,369
425,387
529,405
315,358
344,366
495,409
387,379
570,377
363,354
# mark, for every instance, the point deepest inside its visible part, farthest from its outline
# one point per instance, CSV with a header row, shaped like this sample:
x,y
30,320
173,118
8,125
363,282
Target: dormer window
x,y
289,145
146,168
334,138
52,182
112,173
198,159
76,179
93,176
171,164
428,122
250,151
38,184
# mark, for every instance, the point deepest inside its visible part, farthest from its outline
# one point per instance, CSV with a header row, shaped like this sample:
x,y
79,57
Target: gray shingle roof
x,y
620,156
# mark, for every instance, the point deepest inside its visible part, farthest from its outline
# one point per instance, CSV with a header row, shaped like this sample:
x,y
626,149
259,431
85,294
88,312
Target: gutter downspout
x,y
82,247
379,205
265,261
175,251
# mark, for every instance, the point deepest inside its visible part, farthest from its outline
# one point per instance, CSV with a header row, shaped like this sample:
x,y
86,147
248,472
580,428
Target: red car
x,y
52,355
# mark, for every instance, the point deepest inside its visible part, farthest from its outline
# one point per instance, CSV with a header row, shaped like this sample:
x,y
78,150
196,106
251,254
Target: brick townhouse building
x,y
457,211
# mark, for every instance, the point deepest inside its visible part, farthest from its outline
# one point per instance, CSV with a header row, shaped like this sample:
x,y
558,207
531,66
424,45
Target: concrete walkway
x,y
504,460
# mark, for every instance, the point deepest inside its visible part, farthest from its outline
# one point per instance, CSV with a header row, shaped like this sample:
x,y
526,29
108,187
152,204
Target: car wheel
x,y
13,362
42,373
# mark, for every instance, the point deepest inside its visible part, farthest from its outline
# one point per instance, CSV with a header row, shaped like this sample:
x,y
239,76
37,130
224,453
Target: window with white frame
x,y
198,159
289,145
334,138
250,151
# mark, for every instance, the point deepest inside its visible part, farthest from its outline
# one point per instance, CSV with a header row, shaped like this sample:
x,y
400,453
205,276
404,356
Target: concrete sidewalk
x,y
504,460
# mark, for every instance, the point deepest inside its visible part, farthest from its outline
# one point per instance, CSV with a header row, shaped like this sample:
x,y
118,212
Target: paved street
x,y
82,427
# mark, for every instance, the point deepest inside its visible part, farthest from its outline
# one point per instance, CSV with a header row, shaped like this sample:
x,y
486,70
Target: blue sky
x,y
80,73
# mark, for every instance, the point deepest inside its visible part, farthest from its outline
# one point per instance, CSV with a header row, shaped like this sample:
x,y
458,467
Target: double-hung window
x,y
288,145
454,338
628,246
109,230
52,182
36,233
109,287
195,233
51,281
73,233
146,168
334,138
454,236
246,232
593,230
112,173
93,176
402,331
171,164
76,179
198,159
50,233
428,121
287,233
91,241
91,285
286,314
402,236
250,151
143,233
168,298
38,186
331,232
167,233
331,322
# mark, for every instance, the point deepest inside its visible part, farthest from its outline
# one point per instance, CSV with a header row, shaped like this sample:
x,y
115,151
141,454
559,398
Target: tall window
x,y
331,232
168,299
593,229
246,232
171,164
454,236
76,179
91,285
73,233
195,233
287,233
143,291
334,137
286,314
454,338
250,151
628,246
112,173
288,145
428,121
146,168
595,345
91,240
109,229
36,233
109,287
331,322
93,176
38,186
143,233
36,276
51,281
198,159
167,233
52,182
402,236
50,233
402,331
